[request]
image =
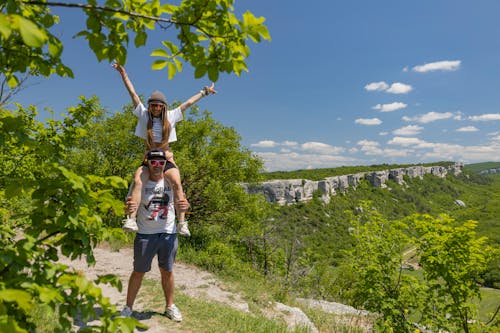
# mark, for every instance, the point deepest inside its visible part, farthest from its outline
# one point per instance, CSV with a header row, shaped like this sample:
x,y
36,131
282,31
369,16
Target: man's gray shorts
x,y
147,246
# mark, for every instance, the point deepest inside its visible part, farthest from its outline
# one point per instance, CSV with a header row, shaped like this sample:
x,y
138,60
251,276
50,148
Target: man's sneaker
x,y
126,312
129,224
183,228
172,312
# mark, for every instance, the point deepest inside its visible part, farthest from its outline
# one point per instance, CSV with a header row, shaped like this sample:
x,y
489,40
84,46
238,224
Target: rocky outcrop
x,y
299,190
490,171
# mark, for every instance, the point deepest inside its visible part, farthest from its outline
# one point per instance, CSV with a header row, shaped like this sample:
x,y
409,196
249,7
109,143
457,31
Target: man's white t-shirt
x,y
156,212
141,129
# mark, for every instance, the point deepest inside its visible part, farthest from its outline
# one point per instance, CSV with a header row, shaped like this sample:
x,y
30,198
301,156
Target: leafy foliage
x,y
450,255
209,35
58,211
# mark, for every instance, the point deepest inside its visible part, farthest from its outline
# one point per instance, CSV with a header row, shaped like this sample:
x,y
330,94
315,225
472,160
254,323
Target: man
x,y
157,234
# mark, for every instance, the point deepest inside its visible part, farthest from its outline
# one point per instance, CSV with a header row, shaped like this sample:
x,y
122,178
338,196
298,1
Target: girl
x,y
156,125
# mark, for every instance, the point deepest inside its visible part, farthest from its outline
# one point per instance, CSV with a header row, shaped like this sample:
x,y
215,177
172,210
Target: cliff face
x,y
490,171
298,190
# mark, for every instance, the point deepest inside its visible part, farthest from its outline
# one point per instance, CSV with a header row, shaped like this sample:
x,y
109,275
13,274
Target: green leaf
x,y
49,294
213,74
20,297
5,29
140,39
32,35
171,70
11,326
112,279
171,46
200,71
159,64
55,48
168,8
178,64
12,81
160,53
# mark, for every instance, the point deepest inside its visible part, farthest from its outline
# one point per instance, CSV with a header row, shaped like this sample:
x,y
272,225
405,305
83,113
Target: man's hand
x,y
130,206
182,205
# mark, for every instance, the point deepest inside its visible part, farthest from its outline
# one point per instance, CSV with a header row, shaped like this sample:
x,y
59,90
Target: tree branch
x,y
104,9
122,11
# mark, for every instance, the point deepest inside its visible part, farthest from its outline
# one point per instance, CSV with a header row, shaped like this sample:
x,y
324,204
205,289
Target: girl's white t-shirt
x,y
141,129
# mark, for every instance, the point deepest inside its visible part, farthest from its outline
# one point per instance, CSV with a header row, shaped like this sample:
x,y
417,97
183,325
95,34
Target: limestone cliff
x,y
298,190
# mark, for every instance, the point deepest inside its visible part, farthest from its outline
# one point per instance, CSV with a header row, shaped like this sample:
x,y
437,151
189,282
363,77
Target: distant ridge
x,y
289,191
483,168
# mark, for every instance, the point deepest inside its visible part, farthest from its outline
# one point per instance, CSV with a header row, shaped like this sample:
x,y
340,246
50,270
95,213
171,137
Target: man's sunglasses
x,y
157,162
155,105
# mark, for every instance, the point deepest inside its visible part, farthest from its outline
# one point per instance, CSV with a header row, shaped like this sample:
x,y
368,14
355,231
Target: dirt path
x,y
190,279
201,284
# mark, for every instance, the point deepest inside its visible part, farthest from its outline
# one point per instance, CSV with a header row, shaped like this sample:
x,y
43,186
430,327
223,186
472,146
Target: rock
x,y
291,191
293,316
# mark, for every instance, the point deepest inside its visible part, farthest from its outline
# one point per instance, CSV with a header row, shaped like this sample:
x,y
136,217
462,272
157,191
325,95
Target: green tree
x,y
209,35
452,259
58,210
377,259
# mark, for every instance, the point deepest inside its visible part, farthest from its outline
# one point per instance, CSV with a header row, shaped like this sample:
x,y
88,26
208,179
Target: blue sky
x,y
341,82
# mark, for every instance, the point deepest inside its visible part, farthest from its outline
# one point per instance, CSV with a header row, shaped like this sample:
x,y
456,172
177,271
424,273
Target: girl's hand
x,y
118,67
211,89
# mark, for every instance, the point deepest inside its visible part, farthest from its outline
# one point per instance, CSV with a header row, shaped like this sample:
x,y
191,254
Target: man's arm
x,y
128,84
193,100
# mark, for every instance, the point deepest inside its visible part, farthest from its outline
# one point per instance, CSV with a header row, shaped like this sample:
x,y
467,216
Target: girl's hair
x,y
165,132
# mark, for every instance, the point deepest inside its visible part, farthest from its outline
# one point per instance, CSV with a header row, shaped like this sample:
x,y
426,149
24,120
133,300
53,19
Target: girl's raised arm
x,y
203,92
128,83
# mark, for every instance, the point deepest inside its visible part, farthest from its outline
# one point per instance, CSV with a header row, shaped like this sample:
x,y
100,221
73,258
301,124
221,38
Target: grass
x,y
490,300
204,317
210,317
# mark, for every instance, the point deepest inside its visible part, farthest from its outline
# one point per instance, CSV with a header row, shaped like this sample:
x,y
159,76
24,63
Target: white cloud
x,y
408,130
467,129
372,148
383,133
463,153
264,144
321,148
446,65
289,143
390,107
395,88
486,117
369,122
368,143
294,161
403,141
377,86
429,117
399,88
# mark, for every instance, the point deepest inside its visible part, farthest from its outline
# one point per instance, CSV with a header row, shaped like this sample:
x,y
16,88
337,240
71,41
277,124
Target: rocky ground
x,y
193,282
